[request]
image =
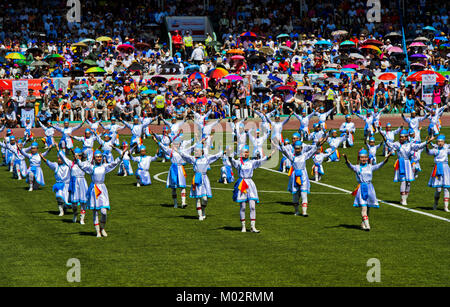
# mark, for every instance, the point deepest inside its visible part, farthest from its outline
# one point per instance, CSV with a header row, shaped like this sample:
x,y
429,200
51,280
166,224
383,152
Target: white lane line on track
x,y
381,201
157,178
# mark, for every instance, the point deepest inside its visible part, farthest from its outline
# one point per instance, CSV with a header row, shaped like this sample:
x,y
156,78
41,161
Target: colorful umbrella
x,y
233,77
417,44
104,39
79,44
323,42
387,77
55,57
372,47
283,35
125,47
142,45
266,50
235,51
418,76
348,70
330,70
249,34
196,75
421,39
217,73
284,48
339,32
284,88
148,92
429,28
352,66
347,43
372,42
15,56
95,70
237,57
419,55
87,41
394,49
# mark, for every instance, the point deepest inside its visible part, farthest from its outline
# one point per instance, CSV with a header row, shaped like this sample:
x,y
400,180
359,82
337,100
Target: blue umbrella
x,y
192,67
148,92
276,79
283,35
441,38
429,28
323,42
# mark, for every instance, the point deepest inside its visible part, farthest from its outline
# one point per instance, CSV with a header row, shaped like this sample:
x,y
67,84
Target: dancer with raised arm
x,y
365,196
98,198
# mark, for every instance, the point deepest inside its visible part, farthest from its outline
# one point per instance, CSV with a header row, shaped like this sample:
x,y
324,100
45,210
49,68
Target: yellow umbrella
x,y
104,39
79,44
15,56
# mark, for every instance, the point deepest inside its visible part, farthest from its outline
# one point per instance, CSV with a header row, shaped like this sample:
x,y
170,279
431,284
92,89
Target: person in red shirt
x,y
177,40
355,39
283,65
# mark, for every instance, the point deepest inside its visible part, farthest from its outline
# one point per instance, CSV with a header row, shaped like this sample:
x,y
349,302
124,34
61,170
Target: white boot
x,y
82,219
104,232
61,210
304,208
243,227
253,227
138,184
31,188
366,223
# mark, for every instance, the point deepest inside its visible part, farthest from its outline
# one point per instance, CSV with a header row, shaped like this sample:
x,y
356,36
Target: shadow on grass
x,y
189,217
285,203
429,208
167,205
230,228
357,227
285,212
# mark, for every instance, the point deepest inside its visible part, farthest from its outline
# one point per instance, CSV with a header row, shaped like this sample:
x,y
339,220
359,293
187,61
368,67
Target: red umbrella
x,y
353,66
237,57
387,77
125,47
418,76
372,42
284,88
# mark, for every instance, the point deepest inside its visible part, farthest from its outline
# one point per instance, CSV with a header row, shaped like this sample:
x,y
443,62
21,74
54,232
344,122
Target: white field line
x,y
382,201
157,178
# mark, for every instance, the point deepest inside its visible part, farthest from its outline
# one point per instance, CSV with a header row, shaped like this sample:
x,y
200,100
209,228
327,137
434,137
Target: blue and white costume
x,y
201,186
62,177
334,143
176,178
322,116
78,186
365,193
49,134
97,194
435,123
113,129
414,122
125,167
66,141
440,176
35,168
304,124
107,147
349,130
368,126
226,171
403,168
137,131
244,188
258,143
142,173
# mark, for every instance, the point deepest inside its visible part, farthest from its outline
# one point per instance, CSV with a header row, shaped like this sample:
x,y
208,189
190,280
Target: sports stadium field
x,y
152,244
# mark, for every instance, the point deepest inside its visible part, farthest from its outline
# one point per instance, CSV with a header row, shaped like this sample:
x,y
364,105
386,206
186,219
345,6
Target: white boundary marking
x,y
382,201
157,178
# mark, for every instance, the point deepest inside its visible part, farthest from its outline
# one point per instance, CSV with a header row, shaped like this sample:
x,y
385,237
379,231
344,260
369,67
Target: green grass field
x,y
152,244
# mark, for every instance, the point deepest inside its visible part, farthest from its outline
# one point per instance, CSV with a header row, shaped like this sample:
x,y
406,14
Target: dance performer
x,y
440,176
348,127
365,196
35,176
78,187
98,199
403,169
201,187
245,189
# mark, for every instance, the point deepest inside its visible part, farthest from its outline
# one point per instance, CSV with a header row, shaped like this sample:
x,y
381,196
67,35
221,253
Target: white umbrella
x,y
356,55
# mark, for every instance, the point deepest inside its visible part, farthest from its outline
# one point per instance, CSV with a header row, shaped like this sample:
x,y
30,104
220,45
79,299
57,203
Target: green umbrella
x,y
283,35
95,70
347,43
89,62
